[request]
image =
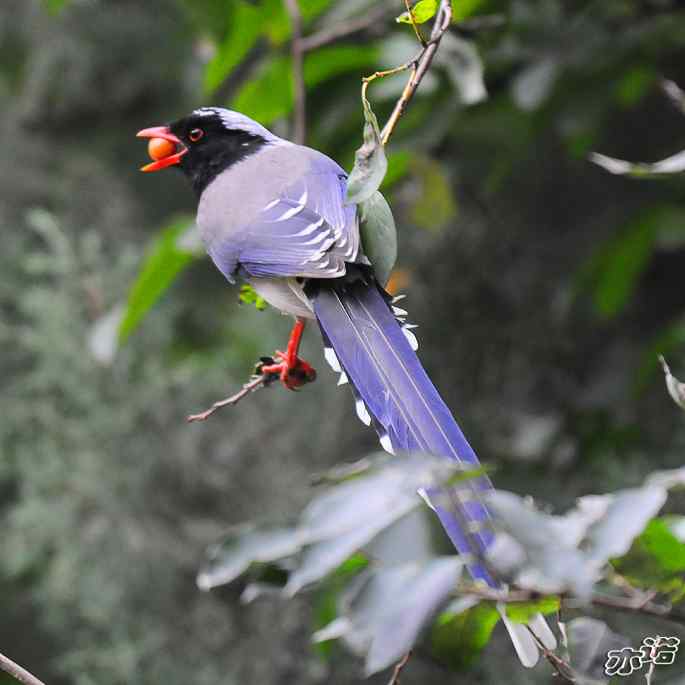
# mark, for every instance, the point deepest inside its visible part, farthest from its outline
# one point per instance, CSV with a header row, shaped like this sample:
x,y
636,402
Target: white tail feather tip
x,y
524,644
332,359
362,412
386,444
411,338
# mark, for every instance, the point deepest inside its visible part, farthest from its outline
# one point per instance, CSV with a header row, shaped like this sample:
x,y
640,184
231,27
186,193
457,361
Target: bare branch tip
x,y
397,671
254,384
18,672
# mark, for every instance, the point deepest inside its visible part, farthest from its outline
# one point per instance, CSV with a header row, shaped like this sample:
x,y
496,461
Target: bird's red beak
x,y
164,147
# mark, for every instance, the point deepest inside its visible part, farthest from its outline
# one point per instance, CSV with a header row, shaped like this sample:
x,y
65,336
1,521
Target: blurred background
x,y
543,286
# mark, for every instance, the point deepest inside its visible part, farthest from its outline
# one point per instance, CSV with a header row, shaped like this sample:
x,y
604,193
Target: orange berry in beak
x,y
159,148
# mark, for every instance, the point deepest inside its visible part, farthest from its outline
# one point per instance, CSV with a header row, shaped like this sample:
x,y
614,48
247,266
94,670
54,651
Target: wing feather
x,y
307,231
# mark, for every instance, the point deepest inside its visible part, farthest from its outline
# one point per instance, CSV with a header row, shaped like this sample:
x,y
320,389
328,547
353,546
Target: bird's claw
x,y
293,372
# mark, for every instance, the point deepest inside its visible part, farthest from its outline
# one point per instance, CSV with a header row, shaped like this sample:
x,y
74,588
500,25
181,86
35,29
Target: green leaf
x,y
248,22
248,295
334,60
625,517
391,486
414,604
553,554
242,547
269,94
434,205
328,597
421,12
382,614
211,17
55,6
660,542
615,270
635,84
346,517
378,235
321,558
165,260
461,9
276,21
656,559
370,163
462,631
537,550
244,30
522,612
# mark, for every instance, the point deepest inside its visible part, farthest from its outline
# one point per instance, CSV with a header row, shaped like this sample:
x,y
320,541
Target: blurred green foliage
x,y
164,263
543,301
461,632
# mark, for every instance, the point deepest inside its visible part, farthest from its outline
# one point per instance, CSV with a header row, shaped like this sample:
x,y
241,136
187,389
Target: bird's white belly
x,y
285,294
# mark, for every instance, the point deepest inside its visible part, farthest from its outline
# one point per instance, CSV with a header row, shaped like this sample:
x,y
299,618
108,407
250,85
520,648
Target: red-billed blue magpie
x,y
274,213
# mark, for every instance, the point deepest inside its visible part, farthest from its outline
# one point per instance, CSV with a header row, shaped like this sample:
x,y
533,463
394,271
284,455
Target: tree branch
x,y
421,65
17,672
343,29
297,52
397,672
641,604
562,668
255,383
648,607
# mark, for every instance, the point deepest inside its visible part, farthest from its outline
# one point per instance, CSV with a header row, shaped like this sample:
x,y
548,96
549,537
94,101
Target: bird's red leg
x,y
293,371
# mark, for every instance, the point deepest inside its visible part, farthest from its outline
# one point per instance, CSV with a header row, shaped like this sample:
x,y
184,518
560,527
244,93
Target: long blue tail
x,y
401,401
394,392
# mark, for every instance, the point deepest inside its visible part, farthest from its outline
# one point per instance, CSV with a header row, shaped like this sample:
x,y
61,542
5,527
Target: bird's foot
x,y
292,371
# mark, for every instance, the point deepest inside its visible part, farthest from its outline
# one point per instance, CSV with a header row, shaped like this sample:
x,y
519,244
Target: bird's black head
x,y
205,143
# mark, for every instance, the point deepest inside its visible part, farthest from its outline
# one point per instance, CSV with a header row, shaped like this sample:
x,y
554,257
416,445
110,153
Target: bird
x,y
274,213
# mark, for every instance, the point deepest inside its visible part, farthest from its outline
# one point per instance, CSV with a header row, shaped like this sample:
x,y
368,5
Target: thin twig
x,y
300,95
395,680
366,80
563,668
17,672
650,608
423,62
342,29
641,604
650,672
254,384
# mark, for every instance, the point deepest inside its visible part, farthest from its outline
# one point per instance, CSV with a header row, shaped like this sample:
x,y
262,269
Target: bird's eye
x,y
195,135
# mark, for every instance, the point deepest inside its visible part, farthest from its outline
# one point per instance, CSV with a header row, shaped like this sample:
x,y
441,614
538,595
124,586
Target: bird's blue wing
x,y
306,231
